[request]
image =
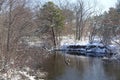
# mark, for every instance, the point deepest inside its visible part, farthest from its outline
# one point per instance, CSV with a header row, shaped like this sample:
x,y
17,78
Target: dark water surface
x,y
67,67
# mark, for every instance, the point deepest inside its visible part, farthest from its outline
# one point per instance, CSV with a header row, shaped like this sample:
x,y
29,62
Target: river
x,y
70,67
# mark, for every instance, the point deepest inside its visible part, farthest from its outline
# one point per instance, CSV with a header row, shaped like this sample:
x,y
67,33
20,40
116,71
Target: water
x,y
69,67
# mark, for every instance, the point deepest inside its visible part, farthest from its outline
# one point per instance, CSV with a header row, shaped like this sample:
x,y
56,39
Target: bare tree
x,y
17,22
82,14
1,3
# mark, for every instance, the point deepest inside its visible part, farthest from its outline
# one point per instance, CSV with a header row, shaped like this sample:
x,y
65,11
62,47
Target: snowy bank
x,y
28,74
70,40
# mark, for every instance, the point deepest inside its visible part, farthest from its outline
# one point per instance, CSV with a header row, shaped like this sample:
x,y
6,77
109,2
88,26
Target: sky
x,y
103,5
106,4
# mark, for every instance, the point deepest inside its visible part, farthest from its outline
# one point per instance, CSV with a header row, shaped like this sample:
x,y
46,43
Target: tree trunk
x,y
53,37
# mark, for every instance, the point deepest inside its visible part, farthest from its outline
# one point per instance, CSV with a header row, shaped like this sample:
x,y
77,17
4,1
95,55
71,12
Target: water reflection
x,y
66,67
112,70
70,74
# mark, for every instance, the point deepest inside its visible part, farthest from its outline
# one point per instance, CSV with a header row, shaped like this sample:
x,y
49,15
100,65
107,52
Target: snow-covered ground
x,y
14,74
70,40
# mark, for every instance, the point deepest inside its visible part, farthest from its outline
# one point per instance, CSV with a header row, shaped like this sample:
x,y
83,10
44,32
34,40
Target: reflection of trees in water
x,y
95,70
89,68
73,68
86,68
112,70
75,62
54,66
64,67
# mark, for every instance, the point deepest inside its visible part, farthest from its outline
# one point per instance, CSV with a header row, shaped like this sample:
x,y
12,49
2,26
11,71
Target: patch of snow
x,y
27,75
95,44
37,43
13,74
70,40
